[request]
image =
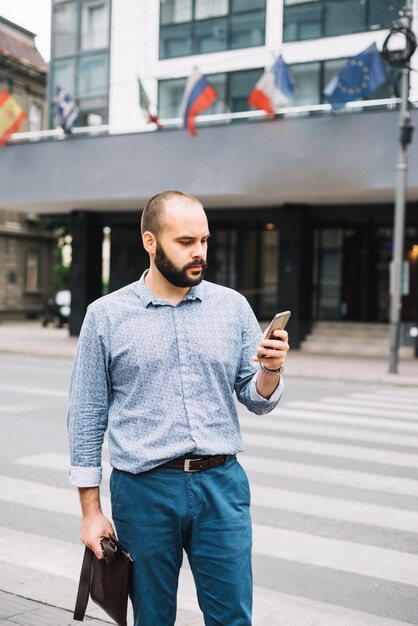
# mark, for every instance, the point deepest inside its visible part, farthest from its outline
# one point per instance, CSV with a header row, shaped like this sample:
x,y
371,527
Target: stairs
x,y
351,339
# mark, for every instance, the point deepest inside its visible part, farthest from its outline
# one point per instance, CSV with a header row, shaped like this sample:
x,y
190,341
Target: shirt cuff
x,y
86,476
275,396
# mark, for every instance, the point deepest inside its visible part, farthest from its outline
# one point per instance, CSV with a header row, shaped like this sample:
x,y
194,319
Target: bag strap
x,y
84,586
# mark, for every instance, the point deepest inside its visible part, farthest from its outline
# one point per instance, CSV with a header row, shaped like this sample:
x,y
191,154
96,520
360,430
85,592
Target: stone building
x,y
26,252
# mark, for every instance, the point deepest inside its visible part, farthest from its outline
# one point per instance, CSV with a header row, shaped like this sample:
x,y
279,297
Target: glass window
x,y
345,17
211,35
93,118
175,41
94,25
308,88
170,94
331,69
32,263
210,8
248,29
65,29
247,5
240,86
175,11
219,81
302,21
35,117
93,76
384,13
63,75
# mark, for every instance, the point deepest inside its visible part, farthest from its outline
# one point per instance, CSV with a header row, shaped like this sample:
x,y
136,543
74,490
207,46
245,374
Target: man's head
x,y
175,231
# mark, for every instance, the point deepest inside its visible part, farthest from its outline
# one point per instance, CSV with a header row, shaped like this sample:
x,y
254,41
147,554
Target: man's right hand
x,y
94,528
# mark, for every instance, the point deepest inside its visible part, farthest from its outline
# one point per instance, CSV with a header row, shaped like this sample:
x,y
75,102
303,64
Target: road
x,y
334,475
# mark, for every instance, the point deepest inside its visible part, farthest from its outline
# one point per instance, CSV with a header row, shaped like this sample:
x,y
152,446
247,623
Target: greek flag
x,y
66,110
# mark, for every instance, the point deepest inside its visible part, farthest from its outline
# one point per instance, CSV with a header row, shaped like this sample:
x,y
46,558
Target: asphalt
x,y
31,339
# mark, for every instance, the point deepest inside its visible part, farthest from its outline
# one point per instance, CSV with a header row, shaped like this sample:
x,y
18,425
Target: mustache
x,y
198,263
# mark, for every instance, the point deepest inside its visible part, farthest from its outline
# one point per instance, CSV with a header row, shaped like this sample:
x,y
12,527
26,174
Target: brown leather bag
x,y
106,580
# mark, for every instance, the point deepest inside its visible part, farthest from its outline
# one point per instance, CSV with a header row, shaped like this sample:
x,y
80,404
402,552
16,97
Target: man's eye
x,y
185,243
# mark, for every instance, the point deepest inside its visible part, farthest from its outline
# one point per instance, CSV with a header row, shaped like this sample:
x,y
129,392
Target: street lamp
x,y
400,57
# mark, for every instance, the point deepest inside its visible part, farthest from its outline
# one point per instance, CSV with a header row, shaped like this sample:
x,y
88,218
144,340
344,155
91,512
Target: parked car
x,y
57,309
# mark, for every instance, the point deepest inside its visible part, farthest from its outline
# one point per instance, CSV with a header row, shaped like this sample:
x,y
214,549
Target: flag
x,y
11,117
66,110
274,89
145,104
362,75
198,96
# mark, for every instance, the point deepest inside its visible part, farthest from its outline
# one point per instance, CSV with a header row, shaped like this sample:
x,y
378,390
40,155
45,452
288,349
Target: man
x,y
157,364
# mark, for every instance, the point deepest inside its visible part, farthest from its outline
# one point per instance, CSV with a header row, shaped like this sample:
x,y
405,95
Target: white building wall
x,y
135,44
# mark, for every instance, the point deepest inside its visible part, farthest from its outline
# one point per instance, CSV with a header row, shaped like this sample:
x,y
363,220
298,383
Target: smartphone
x,y
278,322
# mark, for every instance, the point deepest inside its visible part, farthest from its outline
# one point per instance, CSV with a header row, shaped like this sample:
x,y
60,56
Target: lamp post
x,y
400,58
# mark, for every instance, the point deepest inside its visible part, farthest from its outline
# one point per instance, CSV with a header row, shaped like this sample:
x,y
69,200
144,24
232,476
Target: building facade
x,y
300,206
26,275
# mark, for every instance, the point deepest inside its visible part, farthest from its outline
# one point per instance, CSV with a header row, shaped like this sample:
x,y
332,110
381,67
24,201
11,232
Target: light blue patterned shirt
x,y
161,379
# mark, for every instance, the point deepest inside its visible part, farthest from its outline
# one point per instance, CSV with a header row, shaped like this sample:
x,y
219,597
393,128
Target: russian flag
x,y
198,95
274,89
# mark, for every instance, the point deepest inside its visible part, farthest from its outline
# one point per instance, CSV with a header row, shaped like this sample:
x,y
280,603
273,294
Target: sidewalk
x,y
30,338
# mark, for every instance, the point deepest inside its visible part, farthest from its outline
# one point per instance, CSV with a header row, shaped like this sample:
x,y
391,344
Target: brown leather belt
x,y
198,464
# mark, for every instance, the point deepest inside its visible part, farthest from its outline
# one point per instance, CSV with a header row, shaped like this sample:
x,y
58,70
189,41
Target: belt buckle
x,y
187,465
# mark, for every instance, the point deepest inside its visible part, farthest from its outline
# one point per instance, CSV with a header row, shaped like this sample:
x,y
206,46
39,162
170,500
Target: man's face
x,y
181,249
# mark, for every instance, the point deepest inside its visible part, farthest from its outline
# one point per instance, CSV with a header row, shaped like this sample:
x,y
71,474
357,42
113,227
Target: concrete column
x,y
86,265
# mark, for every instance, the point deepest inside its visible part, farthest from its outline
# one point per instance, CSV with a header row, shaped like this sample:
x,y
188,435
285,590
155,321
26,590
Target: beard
x,y
175,275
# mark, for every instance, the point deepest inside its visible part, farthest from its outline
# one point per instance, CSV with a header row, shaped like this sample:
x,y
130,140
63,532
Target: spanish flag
x,y
11,117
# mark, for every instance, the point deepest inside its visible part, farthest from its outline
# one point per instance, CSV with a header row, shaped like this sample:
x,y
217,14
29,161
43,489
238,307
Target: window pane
x,y
65,29
344,17
175,41
170,94
248,29
174,11
210,35
331,69
384,13
302,22
210,8
94,25
238,6
35,117
92,79
307,78
63,75
93,118
240,86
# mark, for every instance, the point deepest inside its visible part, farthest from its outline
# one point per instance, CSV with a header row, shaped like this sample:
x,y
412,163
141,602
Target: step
x,y
347,349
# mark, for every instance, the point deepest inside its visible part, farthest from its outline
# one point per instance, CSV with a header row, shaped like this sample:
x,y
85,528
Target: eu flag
x,y
362,75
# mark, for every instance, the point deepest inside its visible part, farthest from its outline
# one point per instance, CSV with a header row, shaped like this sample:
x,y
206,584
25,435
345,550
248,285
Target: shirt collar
x,y
147,297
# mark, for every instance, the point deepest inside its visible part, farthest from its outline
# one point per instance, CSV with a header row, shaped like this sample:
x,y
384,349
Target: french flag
x,y
198,95
274,89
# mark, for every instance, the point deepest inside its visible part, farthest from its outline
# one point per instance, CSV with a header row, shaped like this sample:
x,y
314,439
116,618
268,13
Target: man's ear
x,y
149,242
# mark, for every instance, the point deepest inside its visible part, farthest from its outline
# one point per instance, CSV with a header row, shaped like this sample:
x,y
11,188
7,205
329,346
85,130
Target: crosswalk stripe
x,y
35,391
337,476
336,508
345,556
354,410
287,426
63,559
404,393
341,418
338,450
368,402
397,400
17,408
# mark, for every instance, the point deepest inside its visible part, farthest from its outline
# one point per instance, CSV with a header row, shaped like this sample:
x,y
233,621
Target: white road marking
x,y
367,402
345,556
338,450
336,508
352,410
392,399
35,391
339,432
19,408
340,418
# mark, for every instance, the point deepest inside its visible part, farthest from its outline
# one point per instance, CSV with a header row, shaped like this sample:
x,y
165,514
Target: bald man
x,y
157,365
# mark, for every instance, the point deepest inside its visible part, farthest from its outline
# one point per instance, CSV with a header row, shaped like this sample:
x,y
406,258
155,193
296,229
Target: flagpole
x,y
405,138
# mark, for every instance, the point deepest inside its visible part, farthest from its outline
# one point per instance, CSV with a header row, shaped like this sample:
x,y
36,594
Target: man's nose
x,y
199,250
